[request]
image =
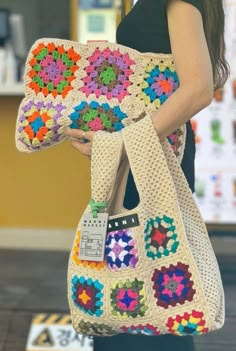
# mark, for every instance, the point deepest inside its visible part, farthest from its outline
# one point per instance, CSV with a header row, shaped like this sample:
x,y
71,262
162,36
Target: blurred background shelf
x,y
12,89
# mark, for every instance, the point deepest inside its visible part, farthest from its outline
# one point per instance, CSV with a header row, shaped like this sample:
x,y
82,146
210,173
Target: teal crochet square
x,y
160,237
87,295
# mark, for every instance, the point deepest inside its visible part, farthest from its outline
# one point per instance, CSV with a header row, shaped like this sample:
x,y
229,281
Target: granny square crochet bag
x,y
158,273
95,86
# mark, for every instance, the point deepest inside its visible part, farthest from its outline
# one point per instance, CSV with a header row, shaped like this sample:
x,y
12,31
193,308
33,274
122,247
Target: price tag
x,y
93,237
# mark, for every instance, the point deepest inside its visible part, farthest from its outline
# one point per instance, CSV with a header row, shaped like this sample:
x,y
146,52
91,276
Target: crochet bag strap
x,y
149,167
109,173
198,239
162,185
105,161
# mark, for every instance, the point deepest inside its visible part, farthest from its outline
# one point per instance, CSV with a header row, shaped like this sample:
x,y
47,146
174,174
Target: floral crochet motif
x,y
173,285
108,74
159,83
160,237
187,324
84,263
128,299
88,328
147,329
53,69
175,141
94,116
87,295
39,124
121,250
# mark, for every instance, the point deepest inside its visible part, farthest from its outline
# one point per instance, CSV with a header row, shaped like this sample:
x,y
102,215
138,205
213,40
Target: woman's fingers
x,y
79,134
81,140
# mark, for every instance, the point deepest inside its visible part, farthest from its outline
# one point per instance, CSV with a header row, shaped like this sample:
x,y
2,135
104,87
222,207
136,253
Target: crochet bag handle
x,y
149,167
157,171
109,172
162,186
198,239
105,161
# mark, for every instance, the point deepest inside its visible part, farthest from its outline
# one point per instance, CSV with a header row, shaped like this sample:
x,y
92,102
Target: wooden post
x,y
74,5
127,7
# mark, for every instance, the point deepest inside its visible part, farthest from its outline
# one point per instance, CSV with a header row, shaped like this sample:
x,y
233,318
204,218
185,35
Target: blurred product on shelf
x,y
18,40
234,193
200,188
2,60
4,36
12,47
216,127
194,125
88,4
234,131
234,88
219,95
10,65
217,188
234,188
4,26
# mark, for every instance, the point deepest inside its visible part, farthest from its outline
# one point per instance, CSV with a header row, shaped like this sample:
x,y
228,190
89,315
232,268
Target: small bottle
x,y
11,66
2,64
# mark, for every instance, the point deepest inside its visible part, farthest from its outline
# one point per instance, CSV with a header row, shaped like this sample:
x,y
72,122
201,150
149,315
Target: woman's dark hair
x,y
214,27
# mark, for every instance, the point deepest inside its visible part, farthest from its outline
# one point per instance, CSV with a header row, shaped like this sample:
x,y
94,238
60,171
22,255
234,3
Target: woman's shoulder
x,y
196,3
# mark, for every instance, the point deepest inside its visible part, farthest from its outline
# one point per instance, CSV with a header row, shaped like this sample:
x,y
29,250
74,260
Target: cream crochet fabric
x,y
160,276
96,86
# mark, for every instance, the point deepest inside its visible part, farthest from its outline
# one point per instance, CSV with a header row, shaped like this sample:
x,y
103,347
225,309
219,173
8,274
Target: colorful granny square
x,y
159,83
108,74
187,324
128,299
91,264
88,328
52,69
173,285
103,86
175,140
147,329
160,237
94,116
39,124
87,295
121,251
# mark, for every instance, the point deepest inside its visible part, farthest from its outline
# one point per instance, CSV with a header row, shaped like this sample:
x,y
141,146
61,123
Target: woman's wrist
x,y
156,127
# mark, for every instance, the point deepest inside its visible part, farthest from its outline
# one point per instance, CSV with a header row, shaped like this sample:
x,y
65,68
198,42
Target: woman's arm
x,y
193,67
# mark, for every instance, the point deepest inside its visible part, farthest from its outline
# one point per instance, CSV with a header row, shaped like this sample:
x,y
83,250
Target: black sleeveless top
x,y
145,29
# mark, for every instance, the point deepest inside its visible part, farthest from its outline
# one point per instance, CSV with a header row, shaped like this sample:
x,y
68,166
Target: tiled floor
x,y
35,282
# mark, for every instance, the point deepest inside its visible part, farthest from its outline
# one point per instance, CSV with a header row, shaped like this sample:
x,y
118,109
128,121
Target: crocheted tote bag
x,y
159,274
96,86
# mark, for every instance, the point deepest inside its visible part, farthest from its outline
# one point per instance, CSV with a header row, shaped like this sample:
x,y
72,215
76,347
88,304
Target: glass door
x,y
96,20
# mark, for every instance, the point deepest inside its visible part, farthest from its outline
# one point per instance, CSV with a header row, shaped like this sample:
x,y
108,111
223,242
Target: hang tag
x,y
93,237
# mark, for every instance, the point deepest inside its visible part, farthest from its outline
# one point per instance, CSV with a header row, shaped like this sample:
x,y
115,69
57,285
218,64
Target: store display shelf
x,y
12,89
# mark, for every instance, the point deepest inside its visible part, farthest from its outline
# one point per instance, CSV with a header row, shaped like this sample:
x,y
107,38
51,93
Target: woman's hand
x,y
78,138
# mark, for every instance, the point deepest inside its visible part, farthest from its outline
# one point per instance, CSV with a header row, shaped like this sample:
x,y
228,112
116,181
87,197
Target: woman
x,y
193,31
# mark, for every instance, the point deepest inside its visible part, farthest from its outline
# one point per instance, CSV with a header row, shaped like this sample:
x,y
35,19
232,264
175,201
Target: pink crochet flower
x,y
96,124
